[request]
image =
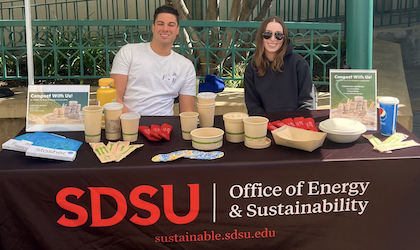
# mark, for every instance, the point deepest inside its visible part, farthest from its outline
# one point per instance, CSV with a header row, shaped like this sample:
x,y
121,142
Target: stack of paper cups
x,y
206,107
206,114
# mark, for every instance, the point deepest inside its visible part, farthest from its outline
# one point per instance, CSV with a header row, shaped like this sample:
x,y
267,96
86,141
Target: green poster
x,y
353,95
56,107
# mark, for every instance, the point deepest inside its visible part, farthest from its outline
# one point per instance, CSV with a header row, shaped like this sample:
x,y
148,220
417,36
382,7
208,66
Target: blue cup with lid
x,y
388,109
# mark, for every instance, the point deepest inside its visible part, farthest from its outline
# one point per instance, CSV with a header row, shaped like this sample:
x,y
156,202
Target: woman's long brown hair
x,y
260,60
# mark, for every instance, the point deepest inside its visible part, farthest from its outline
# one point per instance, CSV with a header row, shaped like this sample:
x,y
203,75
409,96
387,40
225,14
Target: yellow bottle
x,y
106,93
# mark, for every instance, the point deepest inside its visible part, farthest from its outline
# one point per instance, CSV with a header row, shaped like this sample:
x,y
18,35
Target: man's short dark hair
x,y
166,9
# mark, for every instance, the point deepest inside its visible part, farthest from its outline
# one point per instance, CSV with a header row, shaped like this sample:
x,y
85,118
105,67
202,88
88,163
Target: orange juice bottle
x,y
106,93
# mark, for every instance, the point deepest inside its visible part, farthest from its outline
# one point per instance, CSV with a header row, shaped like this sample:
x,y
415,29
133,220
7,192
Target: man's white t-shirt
x,y
154,81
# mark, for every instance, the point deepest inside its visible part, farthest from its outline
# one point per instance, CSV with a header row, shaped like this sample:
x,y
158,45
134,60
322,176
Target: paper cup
x,y
255,128
206,114
92,123
234,126
206,97
388,108
130,126
113,111
188,123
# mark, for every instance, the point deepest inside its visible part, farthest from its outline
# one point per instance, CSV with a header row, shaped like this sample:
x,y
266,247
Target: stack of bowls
x,y
342,130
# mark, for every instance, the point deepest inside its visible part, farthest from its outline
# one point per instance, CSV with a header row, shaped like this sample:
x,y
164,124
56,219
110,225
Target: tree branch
x,y
247,8
212,8
183,11
264,10
235,10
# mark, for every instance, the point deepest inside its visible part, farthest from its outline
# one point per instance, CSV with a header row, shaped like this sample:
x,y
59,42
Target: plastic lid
x,y
343,126
106,82
130,116
235,116
389,100
113,106
207,95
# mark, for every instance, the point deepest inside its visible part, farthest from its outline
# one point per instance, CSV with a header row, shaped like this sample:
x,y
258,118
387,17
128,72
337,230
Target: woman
x,y
277,79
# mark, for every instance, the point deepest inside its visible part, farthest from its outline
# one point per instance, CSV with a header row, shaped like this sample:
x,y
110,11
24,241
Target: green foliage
x,y
9,63
59,53
236,76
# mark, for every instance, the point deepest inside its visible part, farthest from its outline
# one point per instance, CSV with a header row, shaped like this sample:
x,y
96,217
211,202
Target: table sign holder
x,y
353,95
56,107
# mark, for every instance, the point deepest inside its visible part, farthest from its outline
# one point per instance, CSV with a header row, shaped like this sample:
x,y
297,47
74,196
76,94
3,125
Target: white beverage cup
x,y
206,114
113,111
255,129
206,97
92,123
130,126
188,123
234,126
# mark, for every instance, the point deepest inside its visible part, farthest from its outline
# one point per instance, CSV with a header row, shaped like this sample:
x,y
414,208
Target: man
x,y
149,76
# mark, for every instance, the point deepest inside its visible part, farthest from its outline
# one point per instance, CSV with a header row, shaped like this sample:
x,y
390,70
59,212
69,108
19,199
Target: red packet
x,y
299,122
155,131
289,122
145,130
310,124
278,123
165,131
271,127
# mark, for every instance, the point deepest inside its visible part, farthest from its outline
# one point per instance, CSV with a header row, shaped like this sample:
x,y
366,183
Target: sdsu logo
x,y
382,114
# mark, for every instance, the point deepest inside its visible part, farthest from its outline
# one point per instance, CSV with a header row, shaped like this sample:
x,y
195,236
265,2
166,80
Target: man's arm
x,y
120,86
186,103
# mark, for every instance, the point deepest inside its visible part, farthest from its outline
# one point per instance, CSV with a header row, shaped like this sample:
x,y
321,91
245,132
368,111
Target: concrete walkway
x,y
412,75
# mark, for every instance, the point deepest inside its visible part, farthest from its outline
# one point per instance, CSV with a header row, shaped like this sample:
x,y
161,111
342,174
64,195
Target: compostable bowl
x,y
342,138
207,138
342,130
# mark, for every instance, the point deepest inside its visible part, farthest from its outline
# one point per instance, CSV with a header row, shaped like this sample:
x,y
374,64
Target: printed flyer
x,y
353,95
56,107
